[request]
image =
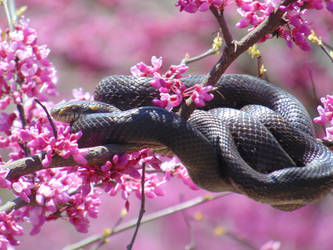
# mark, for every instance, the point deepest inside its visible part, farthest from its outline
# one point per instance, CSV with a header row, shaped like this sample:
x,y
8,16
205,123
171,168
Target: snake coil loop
x,y
257,140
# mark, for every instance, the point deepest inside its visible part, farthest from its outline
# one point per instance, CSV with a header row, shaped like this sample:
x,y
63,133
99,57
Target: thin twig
x,y
259,65
14,204
142,208
223,231
21,112
223,25
323,48
147,218
12,11
241,240
48,117
103,241
313,88
8,15
20,109
191,245
121,218
327,45
209,52
327,143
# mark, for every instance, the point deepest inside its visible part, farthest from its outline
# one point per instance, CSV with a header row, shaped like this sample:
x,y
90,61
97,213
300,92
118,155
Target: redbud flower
x,y
172,90
200,94
193,6
271,245
8,229
326,115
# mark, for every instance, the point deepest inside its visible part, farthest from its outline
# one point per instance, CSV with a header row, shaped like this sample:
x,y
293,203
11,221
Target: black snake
x,y
252,138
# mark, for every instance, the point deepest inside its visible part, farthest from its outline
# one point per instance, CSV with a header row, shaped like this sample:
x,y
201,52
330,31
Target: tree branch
x,y
147,218
230,53
224,27
209,52
96,156
14,204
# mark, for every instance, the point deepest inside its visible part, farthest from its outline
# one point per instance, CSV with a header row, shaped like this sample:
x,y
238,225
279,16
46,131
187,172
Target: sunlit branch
x,y
223,25
147,218
96,156
209,52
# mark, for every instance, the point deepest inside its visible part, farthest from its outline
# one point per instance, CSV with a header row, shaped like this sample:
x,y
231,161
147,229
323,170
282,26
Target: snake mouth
x,y
65,118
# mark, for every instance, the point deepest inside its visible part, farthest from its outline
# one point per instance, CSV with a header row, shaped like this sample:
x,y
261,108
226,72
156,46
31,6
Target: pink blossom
x,y
168,101
82,207
40,138
173,167
326,112
4,183
142,70
329,5
22,188
172,90
79,94
5,102
6,122
192,6
36,74
271,245
200,94
9,229
326,115
296,27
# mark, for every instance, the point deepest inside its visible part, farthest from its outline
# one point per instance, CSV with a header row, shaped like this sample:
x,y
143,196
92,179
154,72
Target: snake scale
x,y
253,138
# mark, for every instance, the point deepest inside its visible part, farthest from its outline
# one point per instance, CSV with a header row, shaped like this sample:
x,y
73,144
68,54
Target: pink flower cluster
x,y
254,12
24,66
9,229
295,29
172,90
26,73
53,192
193,6
124,173
326,115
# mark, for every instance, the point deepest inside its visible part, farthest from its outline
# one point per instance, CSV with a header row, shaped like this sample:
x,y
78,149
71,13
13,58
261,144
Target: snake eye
x,y
75,109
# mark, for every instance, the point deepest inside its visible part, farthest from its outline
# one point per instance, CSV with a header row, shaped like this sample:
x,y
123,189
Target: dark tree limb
x,y
96,156
223,25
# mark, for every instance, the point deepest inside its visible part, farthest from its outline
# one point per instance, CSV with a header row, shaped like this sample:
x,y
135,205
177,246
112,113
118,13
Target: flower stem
x,y
8,15
142,208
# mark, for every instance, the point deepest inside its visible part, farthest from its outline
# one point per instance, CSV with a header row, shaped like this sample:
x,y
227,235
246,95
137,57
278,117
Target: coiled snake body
x,y
260,143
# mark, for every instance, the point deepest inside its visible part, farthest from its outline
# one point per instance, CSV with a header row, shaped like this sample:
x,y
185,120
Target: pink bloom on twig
x,y
172,90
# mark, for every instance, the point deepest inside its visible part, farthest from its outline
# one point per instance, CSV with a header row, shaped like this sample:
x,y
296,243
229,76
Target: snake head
x,y
68,111
73,110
